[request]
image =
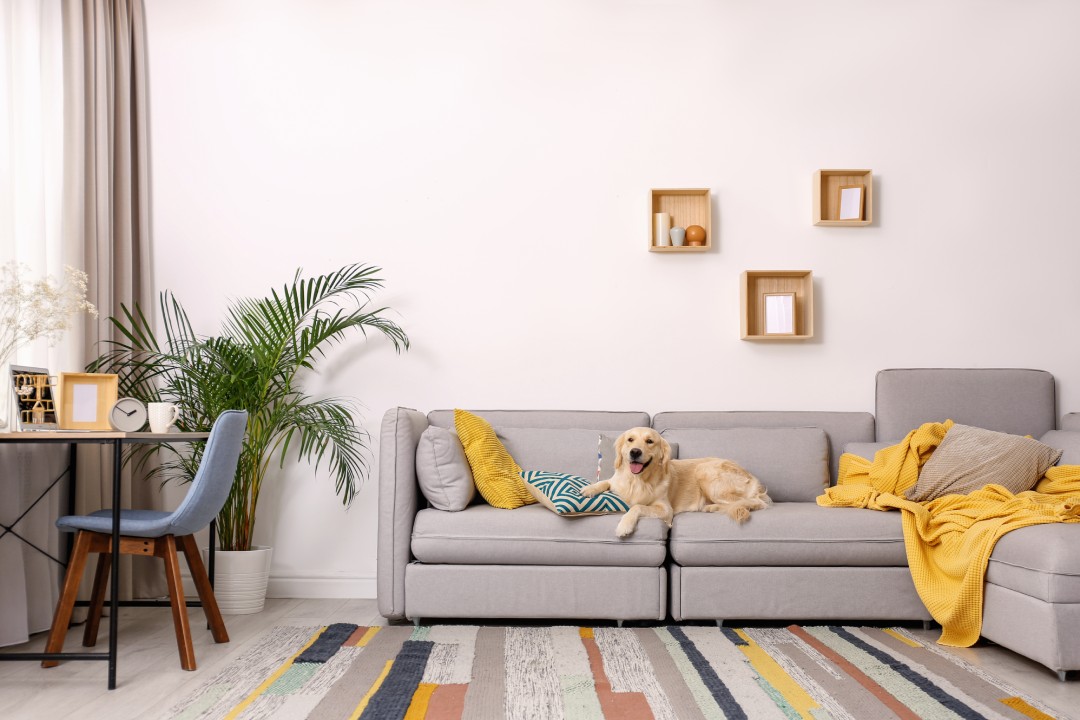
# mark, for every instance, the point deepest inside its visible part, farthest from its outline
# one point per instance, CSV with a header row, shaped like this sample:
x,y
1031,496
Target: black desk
x,y
117,440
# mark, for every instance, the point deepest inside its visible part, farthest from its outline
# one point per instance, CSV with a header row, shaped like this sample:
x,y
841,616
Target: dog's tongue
x,y
636,468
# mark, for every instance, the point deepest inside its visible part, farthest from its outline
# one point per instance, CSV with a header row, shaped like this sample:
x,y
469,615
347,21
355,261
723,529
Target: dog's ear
x,y
620,442
665,454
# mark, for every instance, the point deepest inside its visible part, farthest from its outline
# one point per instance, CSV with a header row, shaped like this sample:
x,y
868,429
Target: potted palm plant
x,y
255,363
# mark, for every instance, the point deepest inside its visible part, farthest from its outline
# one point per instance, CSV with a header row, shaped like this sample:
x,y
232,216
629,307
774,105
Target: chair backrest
x,y
214,478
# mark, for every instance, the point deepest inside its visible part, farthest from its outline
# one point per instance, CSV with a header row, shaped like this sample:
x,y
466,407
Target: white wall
x,y
495,159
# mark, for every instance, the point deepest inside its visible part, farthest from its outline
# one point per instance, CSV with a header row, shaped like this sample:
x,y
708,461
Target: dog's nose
x,y
635,453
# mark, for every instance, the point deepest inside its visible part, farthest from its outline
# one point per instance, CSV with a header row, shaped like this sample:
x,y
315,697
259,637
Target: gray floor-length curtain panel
x,y
107,202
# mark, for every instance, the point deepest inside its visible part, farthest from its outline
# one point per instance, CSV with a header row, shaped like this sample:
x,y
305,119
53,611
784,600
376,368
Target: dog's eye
x,y
649,441
629,439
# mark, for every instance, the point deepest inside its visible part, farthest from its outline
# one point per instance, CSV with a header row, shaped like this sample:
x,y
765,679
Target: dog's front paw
x,y
626,527
740,515
590,490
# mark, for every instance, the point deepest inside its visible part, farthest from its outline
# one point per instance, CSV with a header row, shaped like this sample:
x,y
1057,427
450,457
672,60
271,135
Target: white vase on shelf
x,y
661,229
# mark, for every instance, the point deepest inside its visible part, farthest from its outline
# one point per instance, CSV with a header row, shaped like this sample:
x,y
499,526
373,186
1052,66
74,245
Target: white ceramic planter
x,y
240,578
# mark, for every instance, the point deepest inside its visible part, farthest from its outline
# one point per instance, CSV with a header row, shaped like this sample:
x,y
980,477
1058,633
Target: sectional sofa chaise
x,y
794,561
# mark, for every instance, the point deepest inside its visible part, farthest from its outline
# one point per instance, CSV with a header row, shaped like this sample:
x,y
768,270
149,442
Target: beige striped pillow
x,y
970,458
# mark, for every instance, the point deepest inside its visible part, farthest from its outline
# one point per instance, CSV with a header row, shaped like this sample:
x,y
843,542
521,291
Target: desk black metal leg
x,y
210,552
73,458
114,596
210,557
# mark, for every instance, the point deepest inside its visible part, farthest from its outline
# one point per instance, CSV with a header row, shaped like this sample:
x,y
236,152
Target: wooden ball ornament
x,y
695,235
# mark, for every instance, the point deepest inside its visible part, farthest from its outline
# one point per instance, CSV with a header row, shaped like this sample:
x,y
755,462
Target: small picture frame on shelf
x,y
850,202
778,312
85,400
33,388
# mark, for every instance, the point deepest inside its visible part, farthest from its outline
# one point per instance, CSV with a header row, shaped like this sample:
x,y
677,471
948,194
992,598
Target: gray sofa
x,y
793,561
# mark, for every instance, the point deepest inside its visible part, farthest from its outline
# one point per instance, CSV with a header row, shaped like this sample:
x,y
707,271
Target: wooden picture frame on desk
x,y
85,400
34,402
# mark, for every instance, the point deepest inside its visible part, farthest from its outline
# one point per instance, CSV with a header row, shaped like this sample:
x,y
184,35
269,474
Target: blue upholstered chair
x,y
156,533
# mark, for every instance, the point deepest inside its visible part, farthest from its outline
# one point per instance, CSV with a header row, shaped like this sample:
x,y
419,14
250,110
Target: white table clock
x,y
127,415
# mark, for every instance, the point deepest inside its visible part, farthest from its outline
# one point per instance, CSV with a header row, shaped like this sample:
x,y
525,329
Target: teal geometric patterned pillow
x,y
560,492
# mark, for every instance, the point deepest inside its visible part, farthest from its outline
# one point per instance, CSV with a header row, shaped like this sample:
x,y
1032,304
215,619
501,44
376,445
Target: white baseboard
x,y
321,587
309,586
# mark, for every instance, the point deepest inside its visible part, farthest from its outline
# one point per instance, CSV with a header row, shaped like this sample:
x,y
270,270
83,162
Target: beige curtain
x,y
107,211
31,177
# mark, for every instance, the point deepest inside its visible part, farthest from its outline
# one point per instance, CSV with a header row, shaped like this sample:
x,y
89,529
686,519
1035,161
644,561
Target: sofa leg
x,y
618,623
1063,675
416,622
927,624
719,623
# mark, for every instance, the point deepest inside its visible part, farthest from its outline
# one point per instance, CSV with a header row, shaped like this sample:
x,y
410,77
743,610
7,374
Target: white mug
x,y
162,415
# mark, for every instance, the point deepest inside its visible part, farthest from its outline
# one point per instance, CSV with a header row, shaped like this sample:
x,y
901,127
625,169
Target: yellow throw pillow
x,y
496,474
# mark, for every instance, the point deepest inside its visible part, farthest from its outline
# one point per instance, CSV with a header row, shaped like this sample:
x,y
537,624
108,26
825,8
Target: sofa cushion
x,y
1010,400
1040,561
866,449
442,470
495,473
970,458
840,427
561,493
792,463
563,450
790,534
533,535
576,451
1068,441
588,419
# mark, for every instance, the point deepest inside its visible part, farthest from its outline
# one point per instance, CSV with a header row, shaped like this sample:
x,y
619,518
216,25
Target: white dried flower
x,y
38,309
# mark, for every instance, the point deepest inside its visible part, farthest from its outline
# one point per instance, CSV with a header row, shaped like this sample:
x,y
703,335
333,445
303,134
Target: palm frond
x,y
252,365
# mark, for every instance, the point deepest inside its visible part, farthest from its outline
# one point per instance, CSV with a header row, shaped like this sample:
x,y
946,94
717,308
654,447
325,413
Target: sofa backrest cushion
x,y
565,450
555,441
840,428
1008,400
561,450
442,470
586,419
865,449
792,463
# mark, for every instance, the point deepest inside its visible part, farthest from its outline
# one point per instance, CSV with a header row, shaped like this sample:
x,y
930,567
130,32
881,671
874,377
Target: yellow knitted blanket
x,y
949,540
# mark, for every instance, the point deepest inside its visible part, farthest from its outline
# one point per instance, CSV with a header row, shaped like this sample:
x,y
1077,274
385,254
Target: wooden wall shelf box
x,y
687,206
827,184
756,283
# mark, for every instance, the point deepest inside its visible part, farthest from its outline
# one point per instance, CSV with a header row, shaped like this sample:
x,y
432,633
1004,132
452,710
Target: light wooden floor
x,y
148,675
149,678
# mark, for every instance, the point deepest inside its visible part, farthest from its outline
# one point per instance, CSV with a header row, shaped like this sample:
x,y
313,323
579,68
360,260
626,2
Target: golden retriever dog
x,y
655,485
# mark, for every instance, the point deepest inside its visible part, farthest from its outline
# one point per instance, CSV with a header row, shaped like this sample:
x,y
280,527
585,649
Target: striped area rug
x,y
445,672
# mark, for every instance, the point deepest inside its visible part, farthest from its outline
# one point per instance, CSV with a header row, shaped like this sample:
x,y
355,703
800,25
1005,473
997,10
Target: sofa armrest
x,y
1071,421
1068,441
399,501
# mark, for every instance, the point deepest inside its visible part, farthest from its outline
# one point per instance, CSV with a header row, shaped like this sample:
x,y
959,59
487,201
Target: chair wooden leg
x,y
202,584
62,617
167,551
97,599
